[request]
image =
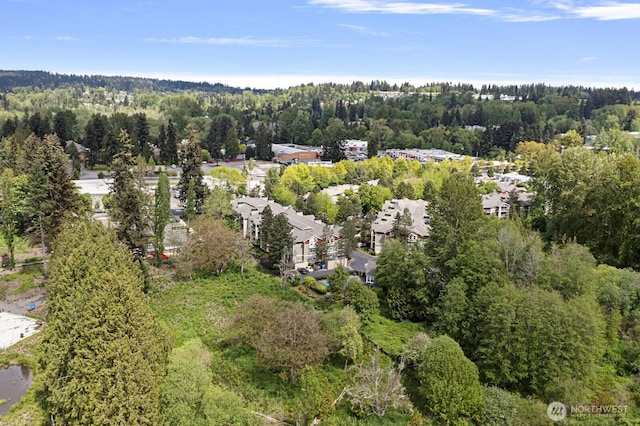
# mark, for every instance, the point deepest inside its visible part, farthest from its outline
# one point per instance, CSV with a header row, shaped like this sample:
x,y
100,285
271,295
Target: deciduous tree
x,y
377,388
212,246
286,335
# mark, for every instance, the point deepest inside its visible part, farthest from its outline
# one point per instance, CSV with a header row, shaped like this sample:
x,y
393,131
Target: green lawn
x,y
27,278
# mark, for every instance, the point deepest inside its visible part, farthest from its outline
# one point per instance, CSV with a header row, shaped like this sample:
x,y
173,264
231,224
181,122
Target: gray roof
x,y
279,150
495,200
417,208
305,227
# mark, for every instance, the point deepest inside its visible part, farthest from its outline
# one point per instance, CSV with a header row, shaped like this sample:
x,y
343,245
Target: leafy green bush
x,y
450,382
318,288
530,411
500,408
309,281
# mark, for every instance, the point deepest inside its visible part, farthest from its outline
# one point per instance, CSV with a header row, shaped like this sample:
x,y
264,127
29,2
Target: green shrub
x,y
309,281
318,288
531,411
500,407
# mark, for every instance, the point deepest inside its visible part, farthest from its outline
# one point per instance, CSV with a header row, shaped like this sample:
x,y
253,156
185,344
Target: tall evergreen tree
x,y
63,196
162,145
316,112
192,169
223,134
38,206
348,238
102,354
8,211
9,127
161,215
95,133
266,221
172,144
142,135
190,207
64,124
130,201
280,240
334,140
51,195
264,142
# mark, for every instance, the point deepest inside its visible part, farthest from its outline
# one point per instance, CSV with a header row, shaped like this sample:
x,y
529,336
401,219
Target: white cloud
x,y
588,59
66,38
608,11
402,8
54,38
363,30
528,18
542,10
232,41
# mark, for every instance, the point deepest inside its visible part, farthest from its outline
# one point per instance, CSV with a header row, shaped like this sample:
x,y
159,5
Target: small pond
x,y
14,382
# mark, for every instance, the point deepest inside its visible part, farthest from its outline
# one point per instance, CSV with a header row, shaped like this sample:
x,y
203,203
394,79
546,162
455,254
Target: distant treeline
x,y
533,92
46,80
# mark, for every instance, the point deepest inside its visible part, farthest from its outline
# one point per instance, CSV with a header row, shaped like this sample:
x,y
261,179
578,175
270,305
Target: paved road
x,y
21,307
359,261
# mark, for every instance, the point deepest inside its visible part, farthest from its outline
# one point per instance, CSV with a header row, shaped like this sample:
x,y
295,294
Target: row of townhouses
x,y
306,230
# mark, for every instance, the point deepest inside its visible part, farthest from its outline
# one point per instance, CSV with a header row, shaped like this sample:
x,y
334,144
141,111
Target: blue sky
x,y
280,43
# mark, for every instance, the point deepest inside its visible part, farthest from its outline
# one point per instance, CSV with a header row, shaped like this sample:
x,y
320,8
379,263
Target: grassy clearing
x,y
200,308
27,278
389,335
203,307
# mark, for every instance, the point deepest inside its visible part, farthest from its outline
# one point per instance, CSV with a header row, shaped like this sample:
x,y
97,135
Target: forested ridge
x,y
486,321
10,80
483,121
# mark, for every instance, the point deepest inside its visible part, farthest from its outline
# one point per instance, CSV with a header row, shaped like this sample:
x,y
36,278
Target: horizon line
x,y
284,81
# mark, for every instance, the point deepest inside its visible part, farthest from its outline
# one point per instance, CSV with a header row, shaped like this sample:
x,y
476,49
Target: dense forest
x,y
484,322
487,121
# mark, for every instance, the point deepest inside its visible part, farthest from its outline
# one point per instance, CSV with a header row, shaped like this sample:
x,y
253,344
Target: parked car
x,y
303,271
